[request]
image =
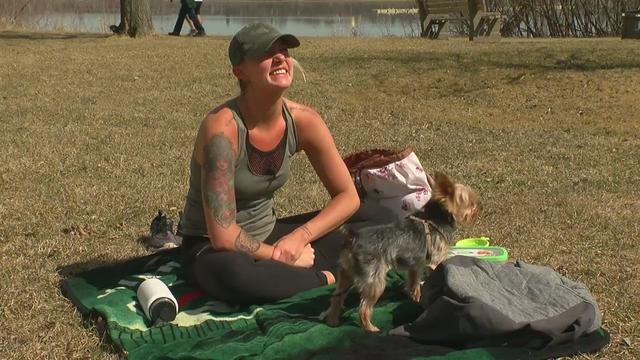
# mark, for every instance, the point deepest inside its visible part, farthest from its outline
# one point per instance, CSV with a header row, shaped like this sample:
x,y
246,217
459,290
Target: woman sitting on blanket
x,y
233,246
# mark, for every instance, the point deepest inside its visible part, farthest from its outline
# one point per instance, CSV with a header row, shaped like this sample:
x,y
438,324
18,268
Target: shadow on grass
x,y
14,35
123,266
502,58
69,270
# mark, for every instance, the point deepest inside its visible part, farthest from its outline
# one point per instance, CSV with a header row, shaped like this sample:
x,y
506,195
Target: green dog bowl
x,y
489,253
473,242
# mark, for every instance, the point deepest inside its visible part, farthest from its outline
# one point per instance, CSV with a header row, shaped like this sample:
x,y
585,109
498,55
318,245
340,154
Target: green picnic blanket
x,y
289,329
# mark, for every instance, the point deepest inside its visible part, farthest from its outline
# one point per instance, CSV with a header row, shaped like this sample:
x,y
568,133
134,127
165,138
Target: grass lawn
x,y
97,134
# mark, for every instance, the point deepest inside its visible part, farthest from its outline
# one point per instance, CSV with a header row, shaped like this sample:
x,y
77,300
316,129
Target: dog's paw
x,y
370,328
330,318
333,322
415,294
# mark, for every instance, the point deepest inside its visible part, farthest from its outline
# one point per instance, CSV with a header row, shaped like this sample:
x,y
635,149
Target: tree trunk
x,y
135,18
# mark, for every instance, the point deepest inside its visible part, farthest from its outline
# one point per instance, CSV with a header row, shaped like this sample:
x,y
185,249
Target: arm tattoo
x,y
246,243
220,168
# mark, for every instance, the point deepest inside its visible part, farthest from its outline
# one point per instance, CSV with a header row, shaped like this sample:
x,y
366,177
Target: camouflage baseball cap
x,y
256,39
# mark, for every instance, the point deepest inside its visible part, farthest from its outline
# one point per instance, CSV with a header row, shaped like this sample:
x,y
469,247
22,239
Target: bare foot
x,y
330,278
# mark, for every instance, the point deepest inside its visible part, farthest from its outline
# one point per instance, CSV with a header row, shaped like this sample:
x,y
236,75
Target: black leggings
x,y
235,277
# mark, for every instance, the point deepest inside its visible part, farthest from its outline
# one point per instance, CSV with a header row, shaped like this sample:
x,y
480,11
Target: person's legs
x,y
196,23
197,12
191,27
184,9
236,277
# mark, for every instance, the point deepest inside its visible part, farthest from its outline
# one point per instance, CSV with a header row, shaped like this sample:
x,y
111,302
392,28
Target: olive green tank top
x,y
254,193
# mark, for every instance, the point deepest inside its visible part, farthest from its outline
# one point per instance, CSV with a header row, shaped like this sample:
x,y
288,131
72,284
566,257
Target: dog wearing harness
x,y
417,243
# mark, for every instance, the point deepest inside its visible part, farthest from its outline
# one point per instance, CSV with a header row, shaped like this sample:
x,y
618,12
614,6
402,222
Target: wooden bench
x,y
435,16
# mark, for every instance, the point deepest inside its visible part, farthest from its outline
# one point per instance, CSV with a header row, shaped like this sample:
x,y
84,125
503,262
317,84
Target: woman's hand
x,y
305,260
291,247
307,257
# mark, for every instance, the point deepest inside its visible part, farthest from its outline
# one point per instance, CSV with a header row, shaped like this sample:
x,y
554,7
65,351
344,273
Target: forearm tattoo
x,y
220,167
246,243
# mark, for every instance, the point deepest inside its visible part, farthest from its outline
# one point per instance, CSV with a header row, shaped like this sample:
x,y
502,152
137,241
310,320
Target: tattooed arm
x,y
216,154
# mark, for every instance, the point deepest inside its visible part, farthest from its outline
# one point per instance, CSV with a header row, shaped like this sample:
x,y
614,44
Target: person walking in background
x,y
194,31
187,9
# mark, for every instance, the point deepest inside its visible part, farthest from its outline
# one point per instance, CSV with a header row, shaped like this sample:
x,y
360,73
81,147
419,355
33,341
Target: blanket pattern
x,y
288,329
208,329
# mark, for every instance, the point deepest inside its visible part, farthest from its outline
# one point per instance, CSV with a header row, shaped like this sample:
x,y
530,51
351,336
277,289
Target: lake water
x,y
303,18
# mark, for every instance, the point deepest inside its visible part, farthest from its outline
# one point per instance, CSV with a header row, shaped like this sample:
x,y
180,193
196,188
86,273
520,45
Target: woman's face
x,y
274,69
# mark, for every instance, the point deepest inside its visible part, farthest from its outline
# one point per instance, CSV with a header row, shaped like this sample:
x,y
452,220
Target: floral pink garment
x,y
401,186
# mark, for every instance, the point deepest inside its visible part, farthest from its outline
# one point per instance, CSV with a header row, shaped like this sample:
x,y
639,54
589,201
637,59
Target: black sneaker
x,y
162,236
199,34
174,34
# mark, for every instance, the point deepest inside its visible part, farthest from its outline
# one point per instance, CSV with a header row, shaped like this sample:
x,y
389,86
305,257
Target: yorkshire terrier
x,y
418,243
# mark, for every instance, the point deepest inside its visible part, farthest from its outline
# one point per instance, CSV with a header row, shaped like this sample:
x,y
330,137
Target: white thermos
x,y
157,301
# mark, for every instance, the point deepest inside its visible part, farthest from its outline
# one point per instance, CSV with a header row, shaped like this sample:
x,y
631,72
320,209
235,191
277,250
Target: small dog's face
x,y
451,204
461,201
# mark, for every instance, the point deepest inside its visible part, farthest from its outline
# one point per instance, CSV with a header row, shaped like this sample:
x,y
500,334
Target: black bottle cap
x,y
162,310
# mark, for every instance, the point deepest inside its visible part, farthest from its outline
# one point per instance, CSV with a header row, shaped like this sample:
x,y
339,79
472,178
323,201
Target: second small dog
x,y
418,243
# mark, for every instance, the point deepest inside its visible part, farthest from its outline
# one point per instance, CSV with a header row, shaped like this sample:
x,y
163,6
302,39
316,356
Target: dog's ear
x,y
444,186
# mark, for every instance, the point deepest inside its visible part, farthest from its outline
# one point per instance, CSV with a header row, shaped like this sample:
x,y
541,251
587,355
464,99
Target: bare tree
x,y
135,18
562,18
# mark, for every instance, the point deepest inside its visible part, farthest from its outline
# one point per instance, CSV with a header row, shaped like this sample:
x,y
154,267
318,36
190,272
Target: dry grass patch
x,y
97,131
